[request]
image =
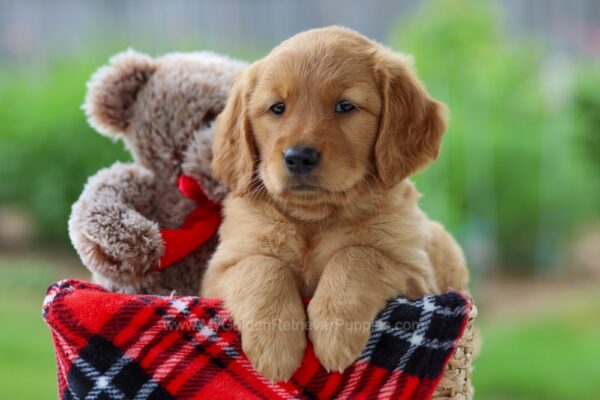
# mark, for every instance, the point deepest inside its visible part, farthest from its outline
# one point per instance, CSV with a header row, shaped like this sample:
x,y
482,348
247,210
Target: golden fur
x,y
350,234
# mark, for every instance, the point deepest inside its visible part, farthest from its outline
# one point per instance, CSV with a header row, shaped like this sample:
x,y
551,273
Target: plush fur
x,y
350,234
162,109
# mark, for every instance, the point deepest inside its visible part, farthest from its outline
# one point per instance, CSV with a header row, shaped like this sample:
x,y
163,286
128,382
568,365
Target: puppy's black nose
x,y
301,159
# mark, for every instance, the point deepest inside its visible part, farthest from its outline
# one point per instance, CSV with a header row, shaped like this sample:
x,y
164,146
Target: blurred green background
x,y
518,180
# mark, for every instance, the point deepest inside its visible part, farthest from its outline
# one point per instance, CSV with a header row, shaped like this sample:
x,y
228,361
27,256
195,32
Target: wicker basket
x,y
456,382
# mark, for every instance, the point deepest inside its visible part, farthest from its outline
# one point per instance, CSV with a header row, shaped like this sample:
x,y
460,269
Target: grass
x,y
552,356
27,367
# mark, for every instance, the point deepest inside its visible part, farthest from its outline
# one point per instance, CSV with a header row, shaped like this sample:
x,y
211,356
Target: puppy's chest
x,y
315,249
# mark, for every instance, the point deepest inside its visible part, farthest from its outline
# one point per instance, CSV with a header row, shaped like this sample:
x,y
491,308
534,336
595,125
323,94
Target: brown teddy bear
x,y
134,220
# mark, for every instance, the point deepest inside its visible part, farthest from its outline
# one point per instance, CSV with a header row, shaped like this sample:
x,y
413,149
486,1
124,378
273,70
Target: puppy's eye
x,y
277,108
344,106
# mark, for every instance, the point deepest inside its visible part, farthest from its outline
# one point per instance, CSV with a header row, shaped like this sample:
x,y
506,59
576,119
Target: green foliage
x,y
47,149
587,105
513,181
507,170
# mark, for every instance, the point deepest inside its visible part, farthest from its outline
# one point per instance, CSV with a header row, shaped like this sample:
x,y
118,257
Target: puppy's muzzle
x,y
301,159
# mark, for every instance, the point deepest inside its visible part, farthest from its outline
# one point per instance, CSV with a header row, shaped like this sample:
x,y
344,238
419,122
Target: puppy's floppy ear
x,y
411,123
113,89
234,151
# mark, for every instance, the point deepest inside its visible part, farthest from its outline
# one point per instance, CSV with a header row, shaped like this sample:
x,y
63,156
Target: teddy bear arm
x,y
108,227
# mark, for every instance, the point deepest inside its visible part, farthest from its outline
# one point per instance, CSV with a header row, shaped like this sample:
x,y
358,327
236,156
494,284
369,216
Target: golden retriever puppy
x,y
316,143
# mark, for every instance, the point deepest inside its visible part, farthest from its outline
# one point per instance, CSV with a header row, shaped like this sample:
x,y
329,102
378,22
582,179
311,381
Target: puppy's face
x,y
314,116
325,111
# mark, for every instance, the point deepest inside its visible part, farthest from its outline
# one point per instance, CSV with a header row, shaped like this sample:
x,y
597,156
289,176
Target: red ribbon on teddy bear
x,y
197,228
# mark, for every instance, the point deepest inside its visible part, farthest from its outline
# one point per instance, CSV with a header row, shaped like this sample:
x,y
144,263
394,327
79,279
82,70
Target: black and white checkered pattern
x,y
102,371
408,332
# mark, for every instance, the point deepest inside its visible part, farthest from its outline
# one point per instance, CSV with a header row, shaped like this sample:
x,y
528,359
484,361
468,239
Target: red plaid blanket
x,y
117,346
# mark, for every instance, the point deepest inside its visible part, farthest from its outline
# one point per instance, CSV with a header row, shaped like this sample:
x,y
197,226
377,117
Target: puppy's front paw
x,y
338,337
275,350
